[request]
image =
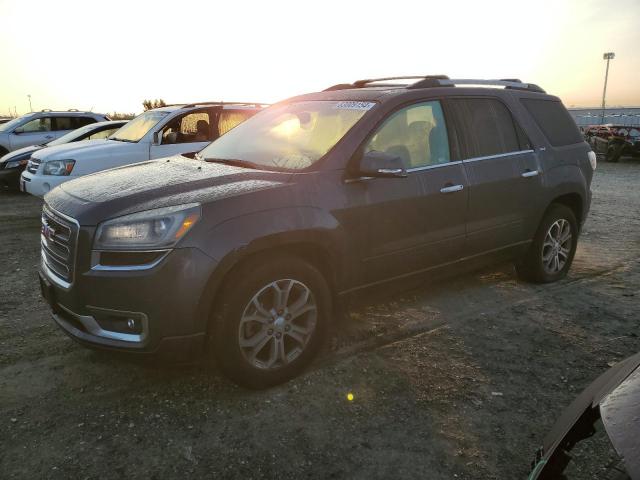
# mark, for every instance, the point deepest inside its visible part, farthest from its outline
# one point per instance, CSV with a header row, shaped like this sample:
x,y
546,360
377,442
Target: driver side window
x,y
190,128
417,134
37,125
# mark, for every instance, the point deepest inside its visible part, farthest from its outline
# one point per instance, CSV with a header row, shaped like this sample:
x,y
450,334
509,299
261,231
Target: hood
x,y
155,184
21,153
83,147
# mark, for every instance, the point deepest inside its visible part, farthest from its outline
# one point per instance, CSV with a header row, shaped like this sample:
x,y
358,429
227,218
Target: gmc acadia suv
x,y
244,248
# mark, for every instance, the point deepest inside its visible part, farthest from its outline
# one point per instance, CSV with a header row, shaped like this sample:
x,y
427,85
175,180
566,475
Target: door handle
x,y
530,173
48,136
451,188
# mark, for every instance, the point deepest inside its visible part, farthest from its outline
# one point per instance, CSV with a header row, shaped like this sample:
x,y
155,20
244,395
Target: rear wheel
x,y
550,255
271,320
614,152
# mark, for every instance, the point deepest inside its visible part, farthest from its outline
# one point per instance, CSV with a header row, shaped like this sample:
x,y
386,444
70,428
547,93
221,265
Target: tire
x,y
614,152
550,242
289,341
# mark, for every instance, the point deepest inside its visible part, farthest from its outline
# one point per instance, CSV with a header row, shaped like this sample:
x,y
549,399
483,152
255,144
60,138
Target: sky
x,y
110,56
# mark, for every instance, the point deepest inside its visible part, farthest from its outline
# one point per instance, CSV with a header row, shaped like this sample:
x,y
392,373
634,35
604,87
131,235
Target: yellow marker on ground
x,y
350,396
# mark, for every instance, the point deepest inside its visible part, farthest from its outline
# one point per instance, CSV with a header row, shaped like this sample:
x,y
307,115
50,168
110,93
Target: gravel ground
x,y
457,378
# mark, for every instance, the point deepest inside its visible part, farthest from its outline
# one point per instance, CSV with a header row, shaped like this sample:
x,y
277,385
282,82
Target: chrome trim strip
x,y
51,275
499,155
533,173
94,328
96,266
429,167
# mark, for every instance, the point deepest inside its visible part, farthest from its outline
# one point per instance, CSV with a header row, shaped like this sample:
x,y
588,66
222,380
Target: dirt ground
x,y
457,378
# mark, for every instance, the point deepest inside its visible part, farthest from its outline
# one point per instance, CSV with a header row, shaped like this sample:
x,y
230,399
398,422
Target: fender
x,y
304,227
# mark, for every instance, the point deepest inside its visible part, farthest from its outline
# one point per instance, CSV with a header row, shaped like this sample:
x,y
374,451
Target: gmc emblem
x,y
48,232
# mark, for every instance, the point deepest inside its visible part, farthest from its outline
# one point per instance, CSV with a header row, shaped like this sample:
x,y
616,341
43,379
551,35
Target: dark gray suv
x,y
244,248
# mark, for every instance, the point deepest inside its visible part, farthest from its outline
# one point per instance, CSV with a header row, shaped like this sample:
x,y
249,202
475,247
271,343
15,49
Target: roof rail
x,y
73,110
506,83
194,104
46,110
430,81
367,81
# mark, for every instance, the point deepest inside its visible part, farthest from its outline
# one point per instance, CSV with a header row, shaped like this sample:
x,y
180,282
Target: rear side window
x,y
554,121
486,128
71,123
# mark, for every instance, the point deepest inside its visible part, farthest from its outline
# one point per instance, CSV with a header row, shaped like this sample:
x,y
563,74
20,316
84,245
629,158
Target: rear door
x,y
502,169
404,225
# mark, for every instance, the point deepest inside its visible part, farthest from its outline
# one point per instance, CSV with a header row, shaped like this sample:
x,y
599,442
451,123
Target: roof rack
x,y
431,81
46,110
194,104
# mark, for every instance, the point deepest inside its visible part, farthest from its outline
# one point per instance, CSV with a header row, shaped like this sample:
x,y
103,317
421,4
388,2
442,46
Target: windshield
x,y
5,127
138,127
292,136
71,136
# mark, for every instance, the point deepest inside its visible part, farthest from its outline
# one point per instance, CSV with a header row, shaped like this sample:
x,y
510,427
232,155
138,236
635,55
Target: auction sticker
x,y
355,105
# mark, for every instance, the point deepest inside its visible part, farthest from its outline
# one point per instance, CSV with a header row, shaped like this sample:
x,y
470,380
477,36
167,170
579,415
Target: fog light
x,y
131,323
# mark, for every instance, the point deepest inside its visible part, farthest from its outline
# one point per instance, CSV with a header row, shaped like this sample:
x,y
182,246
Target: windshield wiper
x,y
122,140
235,163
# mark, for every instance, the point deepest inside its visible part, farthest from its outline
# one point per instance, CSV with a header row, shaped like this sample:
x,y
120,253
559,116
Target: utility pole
x,y
607,56
31,108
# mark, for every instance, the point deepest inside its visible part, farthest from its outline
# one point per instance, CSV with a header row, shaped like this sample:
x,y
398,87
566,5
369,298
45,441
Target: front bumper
x,y
165,304
40,185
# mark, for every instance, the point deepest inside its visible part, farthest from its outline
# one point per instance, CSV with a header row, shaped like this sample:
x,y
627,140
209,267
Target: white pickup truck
x,y
157,133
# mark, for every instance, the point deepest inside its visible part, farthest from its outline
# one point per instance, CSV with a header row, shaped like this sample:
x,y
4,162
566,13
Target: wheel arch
x,y
311,246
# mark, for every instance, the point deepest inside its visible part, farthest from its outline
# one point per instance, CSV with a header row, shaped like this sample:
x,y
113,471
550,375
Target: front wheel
x,y
550,255
270,321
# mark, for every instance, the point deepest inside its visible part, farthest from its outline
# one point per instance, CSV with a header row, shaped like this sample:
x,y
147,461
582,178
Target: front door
x,y
186,133
34,132
405,225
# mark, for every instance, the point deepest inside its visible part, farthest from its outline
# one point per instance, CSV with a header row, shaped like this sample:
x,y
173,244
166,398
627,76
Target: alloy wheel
x,y
556,248
277,324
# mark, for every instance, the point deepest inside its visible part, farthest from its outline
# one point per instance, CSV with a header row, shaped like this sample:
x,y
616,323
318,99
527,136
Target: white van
x,y
161,132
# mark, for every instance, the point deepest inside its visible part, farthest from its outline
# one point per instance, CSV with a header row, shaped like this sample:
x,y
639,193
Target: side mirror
x,y
18,130
379,164
157,137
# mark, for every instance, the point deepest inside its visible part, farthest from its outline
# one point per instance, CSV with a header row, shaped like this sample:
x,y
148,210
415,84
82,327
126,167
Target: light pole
x,y
607,56
31,108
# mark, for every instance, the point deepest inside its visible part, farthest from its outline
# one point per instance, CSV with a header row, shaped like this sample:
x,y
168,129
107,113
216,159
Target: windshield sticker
x,y
354,105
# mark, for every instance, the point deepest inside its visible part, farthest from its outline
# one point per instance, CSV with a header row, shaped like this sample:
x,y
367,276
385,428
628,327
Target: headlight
x,y
58,167
159,228
592,159
16,163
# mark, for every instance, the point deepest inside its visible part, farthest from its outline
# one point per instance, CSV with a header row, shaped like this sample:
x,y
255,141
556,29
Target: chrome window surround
x,y
474,159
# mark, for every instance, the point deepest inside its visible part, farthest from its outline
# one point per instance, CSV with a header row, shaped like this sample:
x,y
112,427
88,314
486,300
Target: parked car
x,y
13,163
613,141
310,200
612,402
156,133
40,127
5,120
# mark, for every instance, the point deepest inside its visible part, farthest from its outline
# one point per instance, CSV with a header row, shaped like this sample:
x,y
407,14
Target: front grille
x,y
32,166
58,240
